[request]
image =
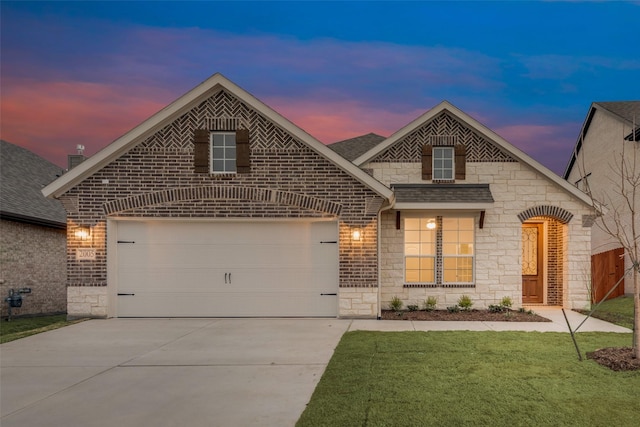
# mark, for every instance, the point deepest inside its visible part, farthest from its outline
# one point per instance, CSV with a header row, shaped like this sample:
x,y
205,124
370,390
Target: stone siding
x,y
515,188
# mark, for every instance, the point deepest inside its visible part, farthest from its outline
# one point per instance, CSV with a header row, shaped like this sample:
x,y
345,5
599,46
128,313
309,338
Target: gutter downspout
x,y
391,204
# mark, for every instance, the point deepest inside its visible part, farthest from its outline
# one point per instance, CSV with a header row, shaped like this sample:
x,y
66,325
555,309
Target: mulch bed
x,y
615,358
473,315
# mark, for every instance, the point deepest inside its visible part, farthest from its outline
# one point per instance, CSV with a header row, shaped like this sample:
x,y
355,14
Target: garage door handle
x,y
328,294
227,277
126,241
329,241
126,295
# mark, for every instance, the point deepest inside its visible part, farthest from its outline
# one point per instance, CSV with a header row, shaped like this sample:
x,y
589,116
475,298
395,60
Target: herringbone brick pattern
x,y
222,111
447,130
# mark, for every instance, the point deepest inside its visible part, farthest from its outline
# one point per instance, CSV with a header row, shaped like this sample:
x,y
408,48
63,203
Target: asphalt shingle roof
x,y
23,174
628,110
353,148
442,193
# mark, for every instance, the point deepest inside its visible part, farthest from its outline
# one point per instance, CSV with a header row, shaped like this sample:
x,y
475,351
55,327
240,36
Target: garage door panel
x,y
231,255
181,269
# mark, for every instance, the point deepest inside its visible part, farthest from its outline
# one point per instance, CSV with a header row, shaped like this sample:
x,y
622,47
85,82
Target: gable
x,y
443,126
172,128
222,111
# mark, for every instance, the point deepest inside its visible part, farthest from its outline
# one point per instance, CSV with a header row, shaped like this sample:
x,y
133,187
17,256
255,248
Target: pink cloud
x,y
50,118
335,120
548,144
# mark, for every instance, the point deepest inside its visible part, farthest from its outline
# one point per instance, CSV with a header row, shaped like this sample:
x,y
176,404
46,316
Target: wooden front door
x,y
532,264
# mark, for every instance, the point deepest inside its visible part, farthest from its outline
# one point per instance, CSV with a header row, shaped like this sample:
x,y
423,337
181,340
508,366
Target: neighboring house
x,y
219,206
32,233
609,128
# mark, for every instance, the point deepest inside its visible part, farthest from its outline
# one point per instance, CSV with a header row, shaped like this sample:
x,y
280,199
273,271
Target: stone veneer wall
x,y
515,188
33,256
279,164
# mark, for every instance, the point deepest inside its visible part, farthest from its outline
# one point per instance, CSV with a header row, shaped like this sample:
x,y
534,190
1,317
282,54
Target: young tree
x,y
619,204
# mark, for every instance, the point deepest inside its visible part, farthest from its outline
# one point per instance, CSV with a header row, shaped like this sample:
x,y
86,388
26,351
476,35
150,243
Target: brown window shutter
x,y
243,153
201,151
427,162
461,161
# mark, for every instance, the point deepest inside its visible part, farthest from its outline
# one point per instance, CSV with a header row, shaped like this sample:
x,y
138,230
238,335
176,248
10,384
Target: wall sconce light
x,y
356,234
83,233
431,224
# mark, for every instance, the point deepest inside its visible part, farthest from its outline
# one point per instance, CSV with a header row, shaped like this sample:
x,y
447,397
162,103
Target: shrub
x,y
496,308
465,302
506,302
412,307
396,304
430,303
453,309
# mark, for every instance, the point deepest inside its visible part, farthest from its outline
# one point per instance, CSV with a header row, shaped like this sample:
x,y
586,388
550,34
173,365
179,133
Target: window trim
x,y
439,256
225,157
451,172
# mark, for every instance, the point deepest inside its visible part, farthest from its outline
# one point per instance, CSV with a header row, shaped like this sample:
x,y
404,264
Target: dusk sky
x,y
87,72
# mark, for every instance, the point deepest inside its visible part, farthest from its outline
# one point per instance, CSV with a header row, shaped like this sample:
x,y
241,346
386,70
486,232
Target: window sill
x,y
442,285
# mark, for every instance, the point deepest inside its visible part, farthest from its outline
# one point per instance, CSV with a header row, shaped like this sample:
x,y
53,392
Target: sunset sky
x,y
87,72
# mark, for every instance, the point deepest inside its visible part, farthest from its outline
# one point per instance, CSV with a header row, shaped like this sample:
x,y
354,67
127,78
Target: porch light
x,y
431,224
83,233
356,234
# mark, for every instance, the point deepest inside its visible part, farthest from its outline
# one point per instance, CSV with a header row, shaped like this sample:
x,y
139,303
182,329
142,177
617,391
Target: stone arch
x,y
221,192
555,212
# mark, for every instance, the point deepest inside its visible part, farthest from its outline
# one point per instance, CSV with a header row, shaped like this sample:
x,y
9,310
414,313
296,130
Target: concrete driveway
x,y
166,372
192,372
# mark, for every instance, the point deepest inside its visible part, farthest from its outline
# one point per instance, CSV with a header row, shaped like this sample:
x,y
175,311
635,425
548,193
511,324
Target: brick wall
x,y
287,180
33,256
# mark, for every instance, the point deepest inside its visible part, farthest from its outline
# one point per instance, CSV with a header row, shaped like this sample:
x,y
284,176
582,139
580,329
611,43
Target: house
x,y
609,130
32,233
219,206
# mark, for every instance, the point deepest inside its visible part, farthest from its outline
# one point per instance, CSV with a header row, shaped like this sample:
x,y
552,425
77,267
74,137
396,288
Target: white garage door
x,y
243,269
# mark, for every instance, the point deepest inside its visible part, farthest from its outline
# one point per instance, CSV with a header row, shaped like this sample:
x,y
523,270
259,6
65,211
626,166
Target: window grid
x,y
443,256
223,152
457,250
420,251
443,163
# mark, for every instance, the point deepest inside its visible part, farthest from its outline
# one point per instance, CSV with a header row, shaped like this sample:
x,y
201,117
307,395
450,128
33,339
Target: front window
x,y
439,250
223,152
457,250
443,163
420,250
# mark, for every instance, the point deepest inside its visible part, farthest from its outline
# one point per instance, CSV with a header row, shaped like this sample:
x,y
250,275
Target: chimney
x,y
74,160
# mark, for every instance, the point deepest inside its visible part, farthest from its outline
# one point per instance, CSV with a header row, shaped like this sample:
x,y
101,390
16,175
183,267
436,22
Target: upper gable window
x,y
443,163
223,152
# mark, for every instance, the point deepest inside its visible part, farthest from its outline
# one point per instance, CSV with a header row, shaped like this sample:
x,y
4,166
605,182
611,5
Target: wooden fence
x,y
606,269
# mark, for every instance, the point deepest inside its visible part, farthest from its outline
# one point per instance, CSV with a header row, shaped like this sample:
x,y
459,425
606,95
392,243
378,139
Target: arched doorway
x,y
543,255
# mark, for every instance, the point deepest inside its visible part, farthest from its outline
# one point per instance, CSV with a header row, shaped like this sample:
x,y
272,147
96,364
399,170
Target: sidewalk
x,y
557,324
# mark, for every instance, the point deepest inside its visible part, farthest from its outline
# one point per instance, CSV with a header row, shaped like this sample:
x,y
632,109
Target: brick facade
x,y
33,256
291,177
156,179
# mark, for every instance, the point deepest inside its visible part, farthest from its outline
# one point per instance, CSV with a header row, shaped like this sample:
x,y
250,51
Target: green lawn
x,y
24,326
617,310
462,378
